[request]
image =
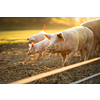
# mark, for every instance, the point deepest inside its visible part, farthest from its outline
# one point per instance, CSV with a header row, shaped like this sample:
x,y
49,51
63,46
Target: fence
x,y
39,76
84,79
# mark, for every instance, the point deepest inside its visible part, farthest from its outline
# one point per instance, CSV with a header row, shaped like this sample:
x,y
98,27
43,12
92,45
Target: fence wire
x,y
87,78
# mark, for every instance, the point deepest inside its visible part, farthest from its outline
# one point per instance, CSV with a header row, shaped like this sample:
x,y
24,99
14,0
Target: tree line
x,y
38,22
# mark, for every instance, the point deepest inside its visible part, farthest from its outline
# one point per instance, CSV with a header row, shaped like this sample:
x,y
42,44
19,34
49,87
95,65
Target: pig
x,y
38,47
94,26
70,41
36,38
89,44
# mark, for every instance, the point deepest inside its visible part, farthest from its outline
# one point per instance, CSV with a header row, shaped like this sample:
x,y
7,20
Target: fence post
x,y
44,27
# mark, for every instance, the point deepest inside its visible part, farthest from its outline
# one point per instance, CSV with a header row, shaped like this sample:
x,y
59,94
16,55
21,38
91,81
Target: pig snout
x,y
29,42
28,53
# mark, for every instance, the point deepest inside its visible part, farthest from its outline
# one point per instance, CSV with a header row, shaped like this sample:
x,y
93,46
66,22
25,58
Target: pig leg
x,y
98,49
69,57
63,58
40,54
50,55
82,55
87,52
94,50
56,54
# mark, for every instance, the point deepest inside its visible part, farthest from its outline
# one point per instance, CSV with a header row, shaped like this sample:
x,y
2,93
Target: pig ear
x,y
32,44
47,36
27,38
60,36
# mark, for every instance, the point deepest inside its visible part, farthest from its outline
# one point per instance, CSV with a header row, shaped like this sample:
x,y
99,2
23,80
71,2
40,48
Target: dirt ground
x,y
16,65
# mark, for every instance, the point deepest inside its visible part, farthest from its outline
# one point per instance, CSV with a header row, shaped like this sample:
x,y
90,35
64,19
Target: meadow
x,y
19,36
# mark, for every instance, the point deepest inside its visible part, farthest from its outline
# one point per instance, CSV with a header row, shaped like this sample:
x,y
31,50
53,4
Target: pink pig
x,y
68,42
36,38
38,47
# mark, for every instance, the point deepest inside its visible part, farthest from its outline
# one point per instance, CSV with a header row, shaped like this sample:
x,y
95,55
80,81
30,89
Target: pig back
x,y
40,46
90,36
93,25
82,36
75,38
39,37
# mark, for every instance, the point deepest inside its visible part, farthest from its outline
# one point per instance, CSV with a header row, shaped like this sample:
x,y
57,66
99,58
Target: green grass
x,y
20,36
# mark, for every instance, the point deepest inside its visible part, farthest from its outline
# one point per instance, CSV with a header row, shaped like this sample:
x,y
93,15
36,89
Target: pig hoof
x,y
65,64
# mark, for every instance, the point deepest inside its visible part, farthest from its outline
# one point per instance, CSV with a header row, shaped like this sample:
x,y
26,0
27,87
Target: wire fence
x,y
42,75
87,78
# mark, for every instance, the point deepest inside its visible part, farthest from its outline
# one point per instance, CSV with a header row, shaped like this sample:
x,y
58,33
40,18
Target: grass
x,y
20,36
